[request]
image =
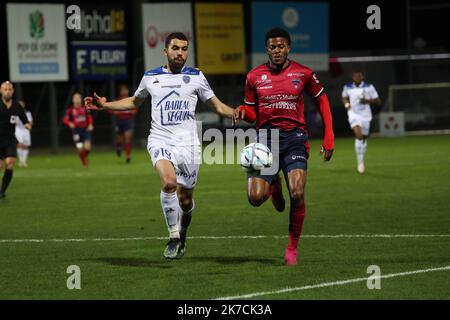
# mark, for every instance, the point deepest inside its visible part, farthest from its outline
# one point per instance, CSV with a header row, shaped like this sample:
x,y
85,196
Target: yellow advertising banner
x,y
220,38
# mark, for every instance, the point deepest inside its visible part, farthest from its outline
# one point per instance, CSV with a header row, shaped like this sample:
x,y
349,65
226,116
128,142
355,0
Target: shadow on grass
x,y
236,260
136,262
167,264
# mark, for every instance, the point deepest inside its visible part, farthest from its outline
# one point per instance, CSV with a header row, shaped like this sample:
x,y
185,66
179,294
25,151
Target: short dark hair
x,y
175,35
278,33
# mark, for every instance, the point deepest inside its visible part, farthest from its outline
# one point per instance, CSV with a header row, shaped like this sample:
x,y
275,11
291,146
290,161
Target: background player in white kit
x,y
23,137
173,143
357,98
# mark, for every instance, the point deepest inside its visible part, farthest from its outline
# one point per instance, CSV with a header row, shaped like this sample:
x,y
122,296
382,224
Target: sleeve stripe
x,y
318,94
249,103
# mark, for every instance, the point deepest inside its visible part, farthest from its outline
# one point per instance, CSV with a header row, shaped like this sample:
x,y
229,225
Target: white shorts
x,y
185,159
357,120
23,136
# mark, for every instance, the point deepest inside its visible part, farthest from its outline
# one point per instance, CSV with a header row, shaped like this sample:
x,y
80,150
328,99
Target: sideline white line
x,y
232,237
331,284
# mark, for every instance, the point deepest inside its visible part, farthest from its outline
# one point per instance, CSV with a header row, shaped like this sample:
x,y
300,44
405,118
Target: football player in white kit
x,y
23,137
173,143
357,98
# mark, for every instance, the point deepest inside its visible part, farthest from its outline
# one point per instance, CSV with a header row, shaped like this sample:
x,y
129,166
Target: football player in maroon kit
x,y
274,98
79,119
124,125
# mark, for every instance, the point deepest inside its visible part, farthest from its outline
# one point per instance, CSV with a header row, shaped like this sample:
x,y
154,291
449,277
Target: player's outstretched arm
x,y
323,105
220,107
100,103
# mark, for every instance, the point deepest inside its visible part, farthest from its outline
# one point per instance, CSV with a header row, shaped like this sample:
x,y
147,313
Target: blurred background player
x,y
357,98
274,98
10,112
23,136
80,121
173,142
124,125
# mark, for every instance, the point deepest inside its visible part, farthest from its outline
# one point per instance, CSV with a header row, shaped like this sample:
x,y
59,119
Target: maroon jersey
x,y
125,114
79,116
278,96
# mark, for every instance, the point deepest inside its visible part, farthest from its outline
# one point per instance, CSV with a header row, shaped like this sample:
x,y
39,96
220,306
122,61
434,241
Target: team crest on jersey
x,y
296,82
186,79
156,154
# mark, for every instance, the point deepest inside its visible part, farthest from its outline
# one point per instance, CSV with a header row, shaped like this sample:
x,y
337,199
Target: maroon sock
x,y
296,217
128,150
82,156
86,154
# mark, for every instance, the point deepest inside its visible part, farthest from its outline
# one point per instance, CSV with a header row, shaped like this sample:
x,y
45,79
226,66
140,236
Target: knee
x,y
185,203
256,198
9,165
169,185
297,194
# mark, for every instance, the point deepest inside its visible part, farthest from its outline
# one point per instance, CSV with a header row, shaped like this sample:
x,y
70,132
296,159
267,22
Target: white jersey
x,y
174,99
23,135
19,123
355,93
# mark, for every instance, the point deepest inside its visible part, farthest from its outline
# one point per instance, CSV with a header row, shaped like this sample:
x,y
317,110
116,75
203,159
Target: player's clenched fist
x,y
327,154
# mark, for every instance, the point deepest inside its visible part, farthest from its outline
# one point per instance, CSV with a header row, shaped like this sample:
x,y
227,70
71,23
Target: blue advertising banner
x,y
98,50
91,61
307,23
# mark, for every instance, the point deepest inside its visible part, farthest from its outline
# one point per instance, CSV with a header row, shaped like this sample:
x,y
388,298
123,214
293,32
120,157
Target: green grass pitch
x,y
405,191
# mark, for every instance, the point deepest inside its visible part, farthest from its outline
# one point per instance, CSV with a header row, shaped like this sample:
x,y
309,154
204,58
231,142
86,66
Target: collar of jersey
x,y
360,85
164,70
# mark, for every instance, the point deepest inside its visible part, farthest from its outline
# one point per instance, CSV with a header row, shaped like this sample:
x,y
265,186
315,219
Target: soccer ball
x,y
255,157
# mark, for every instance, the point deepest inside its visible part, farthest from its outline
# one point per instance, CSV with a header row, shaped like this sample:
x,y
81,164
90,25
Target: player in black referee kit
x,y
10,111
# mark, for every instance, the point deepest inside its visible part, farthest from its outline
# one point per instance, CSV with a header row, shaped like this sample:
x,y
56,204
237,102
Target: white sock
x,y
171,210
359,150
25,153
20,155
364,146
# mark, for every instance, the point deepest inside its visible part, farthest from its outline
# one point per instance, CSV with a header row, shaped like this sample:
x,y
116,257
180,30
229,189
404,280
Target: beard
x,y
176,64
7,98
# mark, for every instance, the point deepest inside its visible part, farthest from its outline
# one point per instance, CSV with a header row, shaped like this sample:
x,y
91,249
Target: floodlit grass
x,y
405,191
